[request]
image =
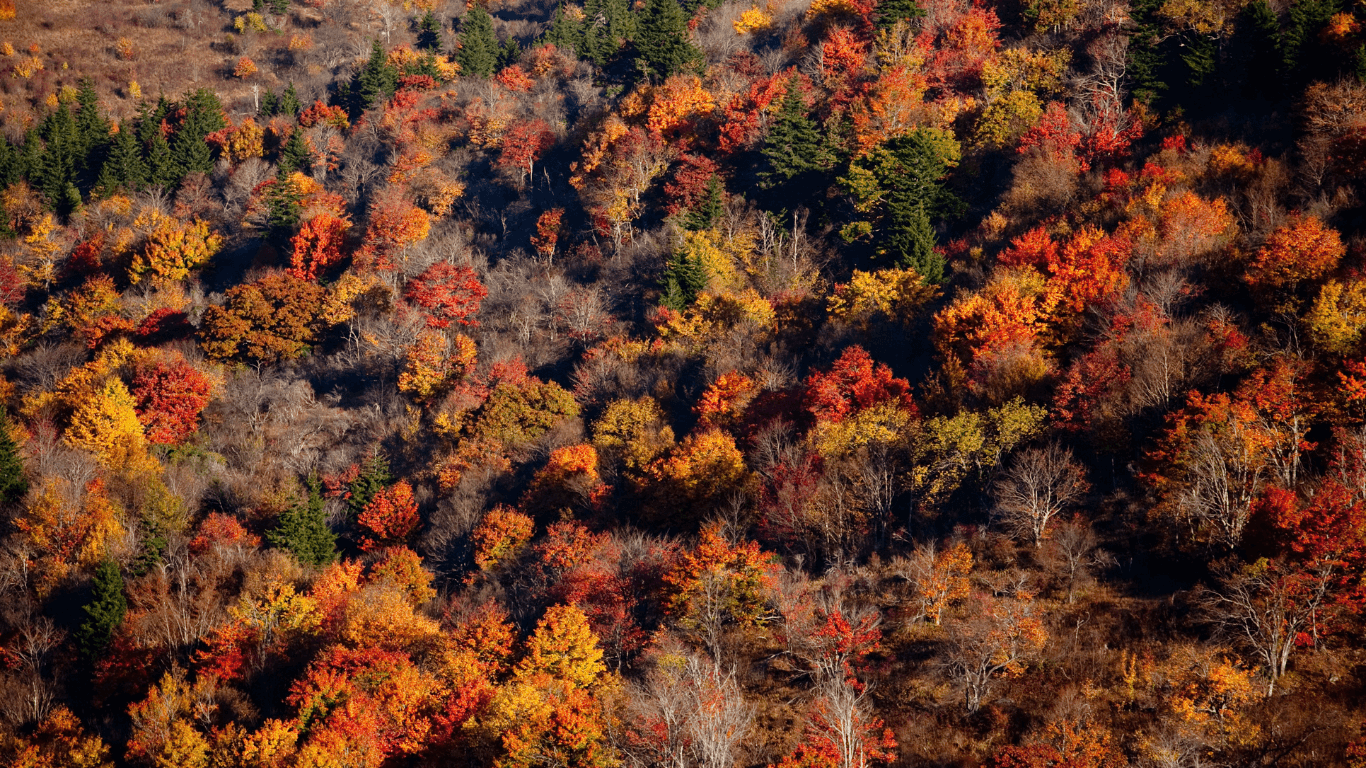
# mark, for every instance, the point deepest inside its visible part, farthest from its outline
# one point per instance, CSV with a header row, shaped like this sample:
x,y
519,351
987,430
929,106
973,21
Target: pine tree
x,y
303,529
889,12
509,54
565,32
270,104
285,203
124,167
910,238
190,153
708,209
793,147
374,477
429,33
13,483
684,278
376,81
92,127
1263,33
289,102
11,163
161,168
56,170
662,43
595,43
104,613
294,154
279,7
621,21
478,54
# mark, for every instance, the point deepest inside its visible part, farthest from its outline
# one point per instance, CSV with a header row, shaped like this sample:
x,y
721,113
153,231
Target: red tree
x,y
170,397
447,293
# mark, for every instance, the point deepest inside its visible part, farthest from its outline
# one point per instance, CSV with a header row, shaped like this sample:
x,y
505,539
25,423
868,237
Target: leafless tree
x,y
1225,474
1040,484
1265,609
703,720
996,638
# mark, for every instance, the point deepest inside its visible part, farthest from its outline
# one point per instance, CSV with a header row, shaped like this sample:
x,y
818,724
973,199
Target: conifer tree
x,y
55,173
104,613
294,154
161,169
794,146
662,43
911,238
708,209
621,21
509,54
303,529
1263,31
11,163
374,477
13,482
289,102
684,278
270,104
429,33
376,81
91,126
478,54
124,167
889,12
596,44
565,32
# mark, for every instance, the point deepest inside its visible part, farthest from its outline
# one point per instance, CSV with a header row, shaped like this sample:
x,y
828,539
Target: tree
x,y
500,537
13,481
125,167
938,578
272,319
368,480
303,530
853,383
477,53
104,613
1039,485
294,155
523,145
842,731
390,517
317,247
376,81
169,397
429,33
1304,249
663,45
793,147
998,637
889,12
447,294
563,647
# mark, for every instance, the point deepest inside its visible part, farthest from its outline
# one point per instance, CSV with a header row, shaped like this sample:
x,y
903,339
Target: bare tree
x,y
1225,475
1039,485
996,639
694,712
1265,609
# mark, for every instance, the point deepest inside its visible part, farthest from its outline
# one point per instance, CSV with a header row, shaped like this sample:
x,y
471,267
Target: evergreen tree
x,y
161,168
596,43
565,32
279,7
11,163
429,33
13,482
510,53
284,201
910,238
708,209
663,47
793,147
289,102
684,278
303,529
92,127
1303,56
55,174
270,104
889,12
1147,53
1263,31
376,81
104,613
478,54
621,21
374,477
190,153
294,154
124,167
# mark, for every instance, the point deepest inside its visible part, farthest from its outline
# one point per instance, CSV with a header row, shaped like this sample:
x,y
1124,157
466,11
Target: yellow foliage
x,y
751,20
247,141
886,423
351,290
107,425
715,314
42,244
633,430
1338,316
896,293
250,22
564,648
134,90
832,8
272,746
382,616
173,248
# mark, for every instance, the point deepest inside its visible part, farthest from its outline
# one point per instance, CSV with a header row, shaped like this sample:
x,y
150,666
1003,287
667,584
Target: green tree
x,y
161,168
708,209
793,147
376,81
889,12
124,167
663,46
270,104
62,154
374,477
104,613
565,32
13,482
91,126
203,115
478,54
303,529
685,276
290,103
429,33
294,154
1262,31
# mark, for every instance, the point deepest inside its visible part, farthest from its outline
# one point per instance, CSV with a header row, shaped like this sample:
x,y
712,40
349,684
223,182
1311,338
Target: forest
x,y
682,383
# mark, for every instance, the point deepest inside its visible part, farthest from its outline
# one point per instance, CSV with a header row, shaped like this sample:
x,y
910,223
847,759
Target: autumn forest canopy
x,y
682,383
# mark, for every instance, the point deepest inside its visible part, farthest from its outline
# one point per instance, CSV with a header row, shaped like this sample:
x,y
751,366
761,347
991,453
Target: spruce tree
x,y
92,127
889,12
478,54
294,154
11,163
663,47
161,168
124,167
1263,30
793,147
596,43
13,482
290,105
509,54
270,104
708,209
684,278
279,7
565,32
374,477
62,153
376,81
910,238
621,20
104,613
303,529
429,33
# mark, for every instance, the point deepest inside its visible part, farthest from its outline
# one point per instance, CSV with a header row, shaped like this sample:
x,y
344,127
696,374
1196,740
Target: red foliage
x,y
163,325
317,247
523,145
853,383
321,113
689,183
169,398
222,530
1055,138
390,518
447,293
